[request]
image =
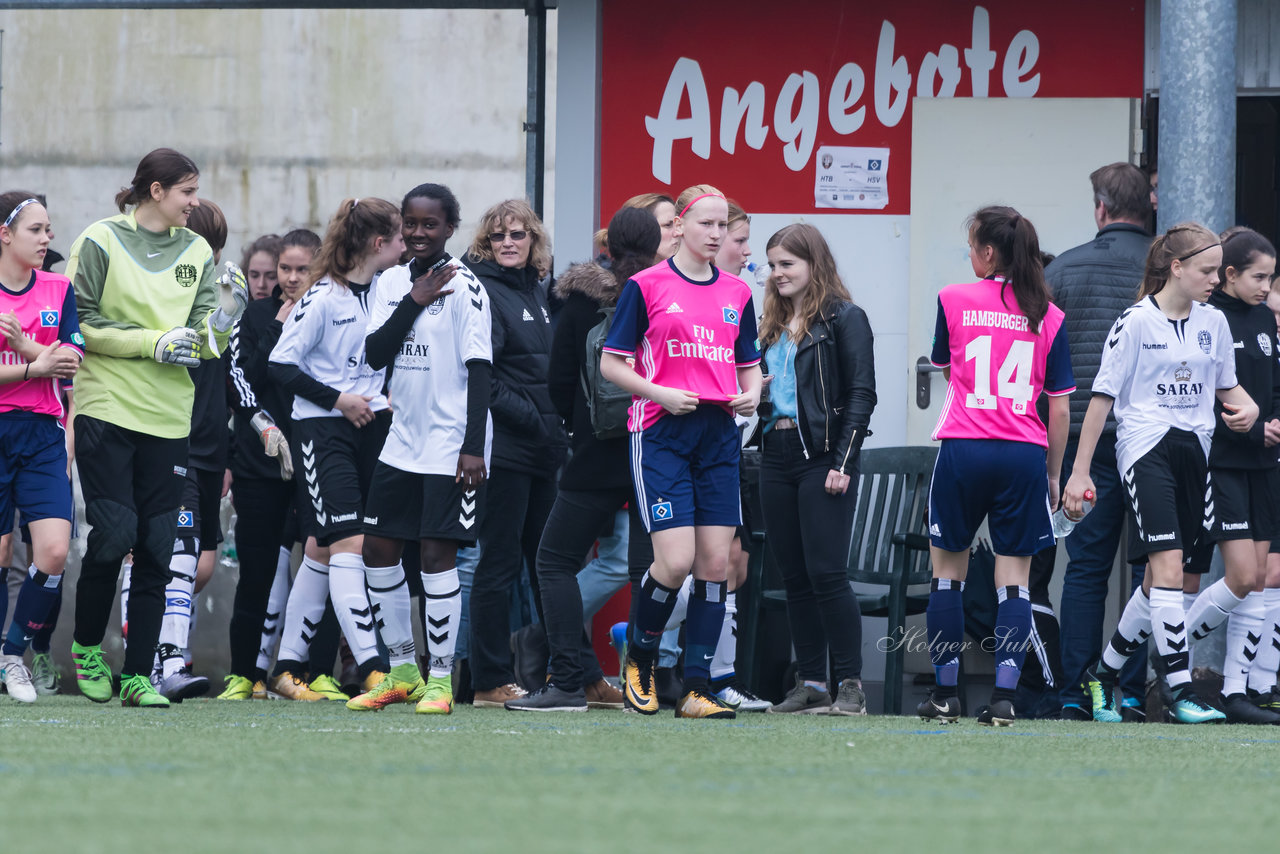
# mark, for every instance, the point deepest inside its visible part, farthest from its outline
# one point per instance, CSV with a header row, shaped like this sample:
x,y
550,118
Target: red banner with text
x,y
800,107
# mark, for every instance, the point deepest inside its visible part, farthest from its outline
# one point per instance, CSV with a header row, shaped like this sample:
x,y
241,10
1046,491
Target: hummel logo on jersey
x,y
344,321
370,520
344,517
527,315
49,317
675,308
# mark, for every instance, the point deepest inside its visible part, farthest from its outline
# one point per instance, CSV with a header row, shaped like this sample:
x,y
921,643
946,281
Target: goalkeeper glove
x,y
178,346
274,442
233,296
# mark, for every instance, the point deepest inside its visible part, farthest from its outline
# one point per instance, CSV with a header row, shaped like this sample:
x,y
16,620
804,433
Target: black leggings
x,y
808,534
577,520
132,485
262,509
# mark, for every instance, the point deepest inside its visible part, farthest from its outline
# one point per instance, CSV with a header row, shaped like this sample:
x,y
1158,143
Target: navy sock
x,y
1013,631
944,620
652,612
702,631
4,594
36,598
43,639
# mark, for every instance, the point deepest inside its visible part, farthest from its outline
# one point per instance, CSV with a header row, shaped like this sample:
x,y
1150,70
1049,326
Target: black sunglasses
x,y
500,237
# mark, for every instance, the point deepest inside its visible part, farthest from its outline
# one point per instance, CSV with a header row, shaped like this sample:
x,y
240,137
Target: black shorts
x,y
200,514
337,461
1246,502
1168,490
404,505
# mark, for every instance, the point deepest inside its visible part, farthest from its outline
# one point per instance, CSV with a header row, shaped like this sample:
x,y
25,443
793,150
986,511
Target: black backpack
x,y
607,404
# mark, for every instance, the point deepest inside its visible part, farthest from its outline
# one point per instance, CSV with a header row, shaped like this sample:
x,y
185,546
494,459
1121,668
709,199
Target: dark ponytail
x,y
163,166
633,237
1018,258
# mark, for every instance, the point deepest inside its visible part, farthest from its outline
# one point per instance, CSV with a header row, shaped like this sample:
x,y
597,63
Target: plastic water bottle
x,y
1062,525
759,271
618,638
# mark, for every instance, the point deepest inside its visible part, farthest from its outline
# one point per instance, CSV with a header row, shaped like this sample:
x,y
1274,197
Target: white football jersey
x,y
429,372
1164,373
324,337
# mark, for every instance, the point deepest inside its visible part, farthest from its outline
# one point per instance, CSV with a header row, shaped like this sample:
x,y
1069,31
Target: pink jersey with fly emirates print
x,y
46,308
999,364
684,334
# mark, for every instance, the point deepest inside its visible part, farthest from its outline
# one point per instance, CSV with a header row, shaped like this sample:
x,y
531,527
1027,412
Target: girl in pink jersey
x,y
41,350
691,329
1001,342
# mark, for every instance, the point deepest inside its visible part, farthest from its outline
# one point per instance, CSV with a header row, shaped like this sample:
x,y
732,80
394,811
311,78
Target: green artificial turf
x,y
294,777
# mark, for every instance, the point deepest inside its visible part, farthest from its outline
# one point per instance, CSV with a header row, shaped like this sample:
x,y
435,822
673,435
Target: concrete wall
x,y
286,113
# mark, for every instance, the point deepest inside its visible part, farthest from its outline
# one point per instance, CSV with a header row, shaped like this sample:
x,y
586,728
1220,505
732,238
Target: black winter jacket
x,y
1092,284
251,343
595,464
527,435
1253,330
835,385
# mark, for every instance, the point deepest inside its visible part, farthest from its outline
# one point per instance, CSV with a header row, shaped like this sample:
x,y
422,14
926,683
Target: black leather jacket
x,y
835,385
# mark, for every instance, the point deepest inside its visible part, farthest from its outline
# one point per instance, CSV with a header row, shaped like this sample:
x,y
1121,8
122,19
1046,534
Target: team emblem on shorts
x,y
1264,343
185,274
731,315
661,511
186,519
49,317
1205,340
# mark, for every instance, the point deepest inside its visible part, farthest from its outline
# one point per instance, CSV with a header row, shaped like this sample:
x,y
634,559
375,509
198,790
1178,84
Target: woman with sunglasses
x,y
528,440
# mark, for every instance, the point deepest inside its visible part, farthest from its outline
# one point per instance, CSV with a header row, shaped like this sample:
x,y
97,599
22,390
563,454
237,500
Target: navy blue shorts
x,y
1004,481
33,467
685,469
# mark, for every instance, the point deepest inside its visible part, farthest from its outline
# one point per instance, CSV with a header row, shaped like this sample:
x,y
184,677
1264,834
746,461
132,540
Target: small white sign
x,y
851,177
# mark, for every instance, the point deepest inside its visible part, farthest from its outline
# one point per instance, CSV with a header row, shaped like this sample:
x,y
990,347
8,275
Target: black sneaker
x,y
942,711
999,713
549,698
1240,711
1133,713
1269,700
1073,712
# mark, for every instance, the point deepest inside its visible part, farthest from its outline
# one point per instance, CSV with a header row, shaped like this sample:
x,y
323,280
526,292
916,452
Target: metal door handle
x,y
923,385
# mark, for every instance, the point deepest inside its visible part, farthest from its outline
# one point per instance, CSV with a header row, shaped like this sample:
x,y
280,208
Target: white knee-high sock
x,y
1210,609
1262,674
443,597
304,610
276,601
351,602
126,577
1169,629
389,598
1131,632
175,624
682,604
1244,634
722,664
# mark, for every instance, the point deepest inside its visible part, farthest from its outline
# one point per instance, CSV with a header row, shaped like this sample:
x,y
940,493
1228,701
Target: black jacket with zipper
x,y
1253,331
835,385
527,432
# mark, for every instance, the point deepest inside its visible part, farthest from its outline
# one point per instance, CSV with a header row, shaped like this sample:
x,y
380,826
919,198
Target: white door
x,y
1034,154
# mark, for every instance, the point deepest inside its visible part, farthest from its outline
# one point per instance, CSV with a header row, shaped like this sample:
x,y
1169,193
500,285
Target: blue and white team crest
x,y
731,315
186,519
661,511
49,318
1205,340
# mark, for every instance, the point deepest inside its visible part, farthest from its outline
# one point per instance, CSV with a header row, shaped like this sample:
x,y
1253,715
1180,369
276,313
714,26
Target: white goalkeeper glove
x,y
274,442
178,346
233,296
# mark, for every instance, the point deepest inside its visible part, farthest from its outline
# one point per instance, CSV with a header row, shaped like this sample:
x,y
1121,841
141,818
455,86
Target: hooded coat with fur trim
x,y
595,464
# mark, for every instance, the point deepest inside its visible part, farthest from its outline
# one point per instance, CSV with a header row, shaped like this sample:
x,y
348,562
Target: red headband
x,y
697,199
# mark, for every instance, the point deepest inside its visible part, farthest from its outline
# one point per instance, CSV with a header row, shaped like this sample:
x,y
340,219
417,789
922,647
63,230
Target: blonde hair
x,y
495,219
692,194
347,239
825,286
1177,244
736,213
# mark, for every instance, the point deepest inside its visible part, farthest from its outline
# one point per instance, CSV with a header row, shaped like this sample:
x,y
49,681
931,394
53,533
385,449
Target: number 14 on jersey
x,y
1013,380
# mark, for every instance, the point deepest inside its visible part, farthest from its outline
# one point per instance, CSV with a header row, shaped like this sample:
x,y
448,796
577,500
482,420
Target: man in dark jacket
x,y
1092,284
